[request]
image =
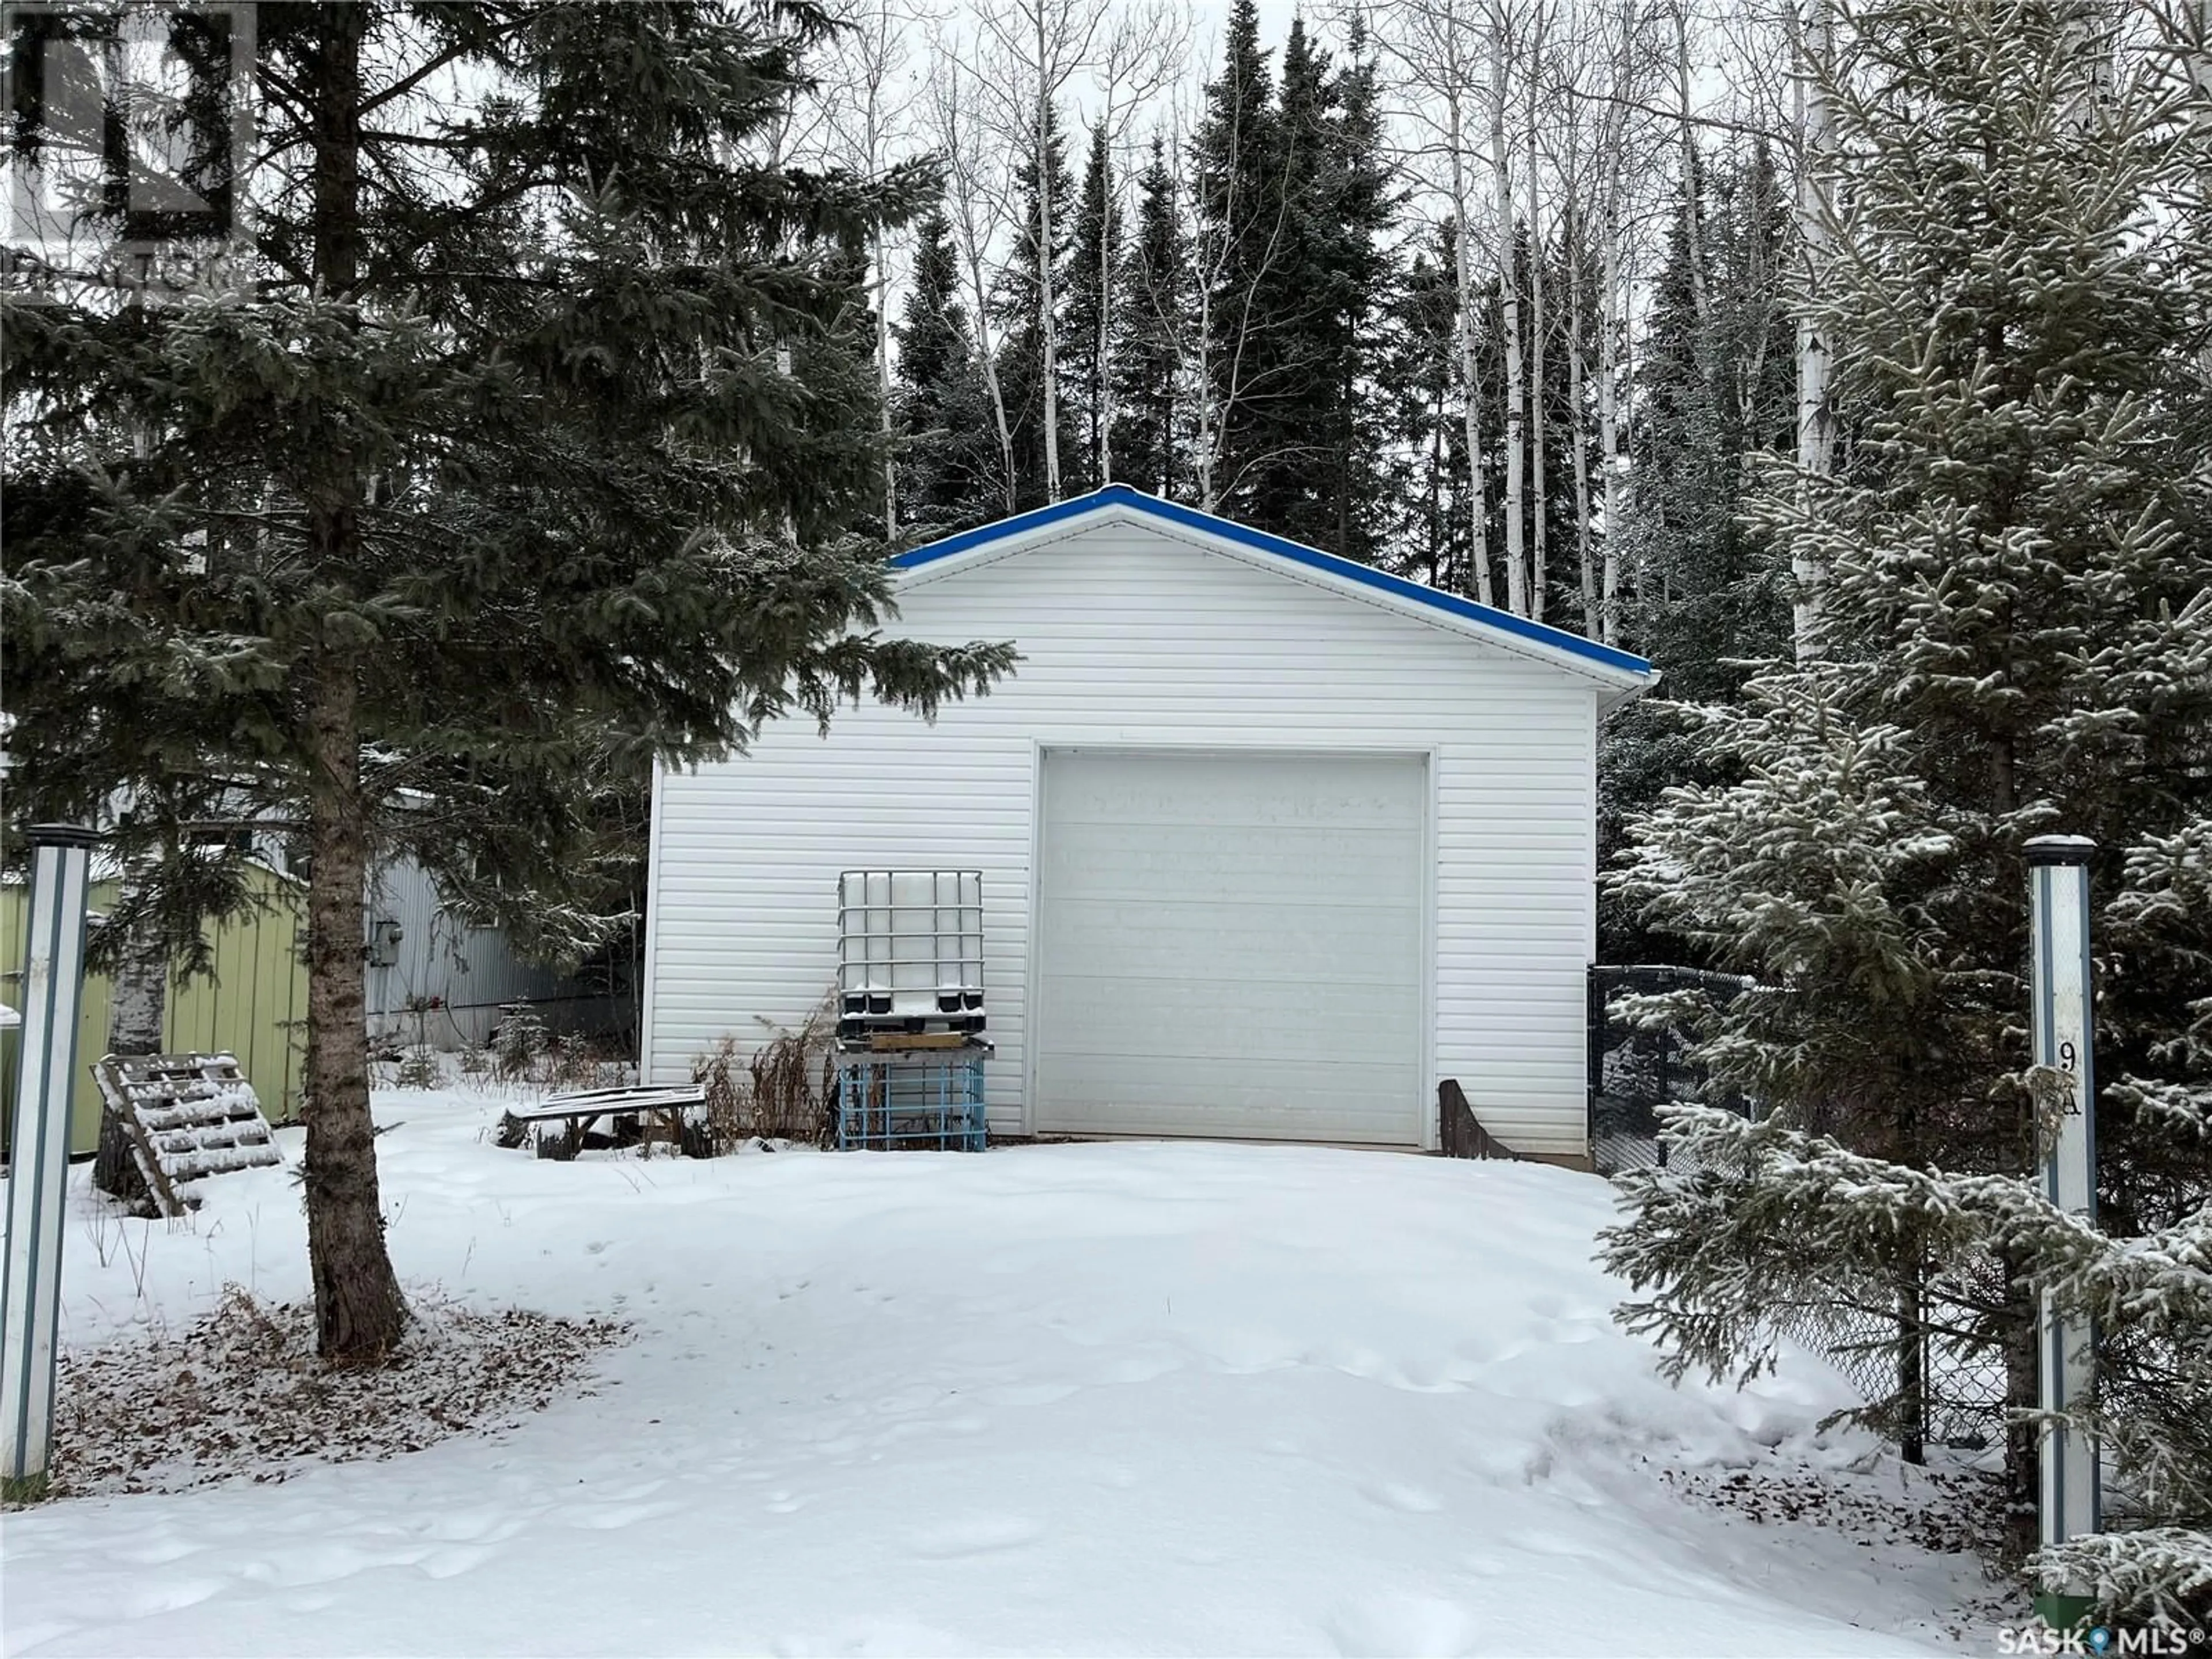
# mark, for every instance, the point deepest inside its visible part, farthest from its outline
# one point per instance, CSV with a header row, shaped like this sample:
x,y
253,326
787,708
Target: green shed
x,y
254,1004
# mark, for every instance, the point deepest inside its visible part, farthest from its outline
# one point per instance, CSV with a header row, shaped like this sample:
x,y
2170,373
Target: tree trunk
x,y
1577,430
884,388
972,257
1509,285
1207,414
1816,430
139,995
1608,405
2023,1465
1478,515
1912,1365
1103,402
1048,324
1439,458
1539,559
1701,300
359,1312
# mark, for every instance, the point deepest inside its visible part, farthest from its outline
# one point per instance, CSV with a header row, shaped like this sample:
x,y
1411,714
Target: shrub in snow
x,y
518,1039
1762,1223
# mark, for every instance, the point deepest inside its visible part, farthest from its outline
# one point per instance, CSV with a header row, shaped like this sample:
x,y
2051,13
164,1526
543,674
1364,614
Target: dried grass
x,y
781,1091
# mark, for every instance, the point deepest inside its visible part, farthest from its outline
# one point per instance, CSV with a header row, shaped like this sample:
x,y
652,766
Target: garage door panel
x,y
1347,943
1232,944
1332,866
1103,862
1217,1096
1179,1019
1252,791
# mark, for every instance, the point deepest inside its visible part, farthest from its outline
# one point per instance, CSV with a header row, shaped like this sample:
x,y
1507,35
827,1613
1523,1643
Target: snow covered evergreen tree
x,y
1707,595
2015,638
524,450
949,469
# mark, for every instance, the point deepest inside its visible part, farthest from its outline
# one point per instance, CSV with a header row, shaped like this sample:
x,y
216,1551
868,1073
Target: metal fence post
x,y
38,1183
2058,896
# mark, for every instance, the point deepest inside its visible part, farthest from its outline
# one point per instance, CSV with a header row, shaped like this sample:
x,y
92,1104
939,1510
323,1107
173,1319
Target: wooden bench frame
x,y
665,1109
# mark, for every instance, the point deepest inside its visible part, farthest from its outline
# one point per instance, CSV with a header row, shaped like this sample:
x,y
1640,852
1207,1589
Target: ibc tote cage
x,y
911,1050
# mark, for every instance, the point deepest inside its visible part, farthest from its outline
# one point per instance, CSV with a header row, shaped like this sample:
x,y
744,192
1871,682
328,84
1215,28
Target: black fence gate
x,y
1637,1065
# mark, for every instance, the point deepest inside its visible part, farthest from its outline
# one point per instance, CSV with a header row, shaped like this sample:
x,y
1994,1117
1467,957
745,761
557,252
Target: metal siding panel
x,y
1133,638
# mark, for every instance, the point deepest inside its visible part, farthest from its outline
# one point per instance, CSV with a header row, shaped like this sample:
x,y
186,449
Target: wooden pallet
x,y
185,1117
895,1042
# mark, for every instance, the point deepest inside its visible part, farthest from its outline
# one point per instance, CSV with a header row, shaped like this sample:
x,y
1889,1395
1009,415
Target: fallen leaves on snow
x,y
240,1394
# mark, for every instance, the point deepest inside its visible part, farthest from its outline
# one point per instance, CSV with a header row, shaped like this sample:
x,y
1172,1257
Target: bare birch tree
x,y
1622,35
976,194
1143,52
1508,283
1429,49
870,102
1035,49
1538,326
1224,375
1816,434
1701,298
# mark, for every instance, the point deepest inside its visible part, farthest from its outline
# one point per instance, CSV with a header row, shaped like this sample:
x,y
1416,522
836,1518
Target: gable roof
x,y
1622,671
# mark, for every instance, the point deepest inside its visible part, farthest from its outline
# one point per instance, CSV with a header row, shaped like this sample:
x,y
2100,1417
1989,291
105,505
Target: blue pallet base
x,y
930,1100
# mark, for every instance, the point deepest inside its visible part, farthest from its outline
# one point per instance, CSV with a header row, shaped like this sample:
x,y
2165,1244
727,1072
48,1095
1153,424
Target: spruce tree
x,y
1359,207
2016,637
1418,385
1290,393
1238,201
1155,320
949,465
1089,312
523,446
1707,598
1016,299
1299,453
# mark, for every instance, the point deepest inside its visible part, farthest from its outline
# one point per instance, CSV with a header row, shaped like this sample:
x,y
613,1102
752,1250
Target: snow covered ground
x,y
1095,1399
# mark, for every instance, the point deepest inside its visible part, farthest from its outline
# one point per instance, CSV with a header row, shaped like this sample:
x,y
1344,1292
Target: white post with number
x,y
2058,904
38,1153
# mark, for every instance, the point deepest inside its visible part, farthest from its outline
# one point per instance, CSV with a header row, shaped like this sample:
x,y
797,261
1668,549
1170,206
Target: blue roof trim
x,y
1503,622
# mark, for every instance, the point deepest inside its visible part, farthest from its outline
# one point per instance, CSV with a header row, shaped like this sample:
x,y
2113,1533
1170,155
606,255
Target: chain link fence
x,y
1921,1362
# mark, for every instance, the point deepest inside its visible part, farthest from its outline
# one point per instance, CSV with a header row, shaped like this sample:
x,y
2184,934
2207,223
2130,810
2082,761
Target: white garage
x,y
1271,842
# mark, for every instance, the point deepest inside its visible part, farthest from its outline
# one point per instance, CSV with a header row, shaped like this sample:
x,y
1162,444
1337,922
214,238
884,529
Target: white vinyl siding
x,y
1135,637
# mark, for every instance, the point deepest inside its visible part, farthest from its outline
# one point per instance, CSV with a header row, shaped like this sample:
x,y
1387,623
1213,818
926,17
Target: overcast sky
x,y
1212,17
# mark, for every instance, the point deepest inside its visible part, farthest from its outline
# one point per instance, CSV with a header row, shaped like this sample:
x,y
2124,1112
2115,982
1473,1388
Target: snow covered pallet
x,y
183,1117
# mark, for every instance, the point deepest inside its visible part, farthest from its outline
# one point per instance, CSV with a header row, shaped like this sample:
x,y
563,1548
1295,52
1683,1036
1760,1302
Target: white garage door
x,y
1231,945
